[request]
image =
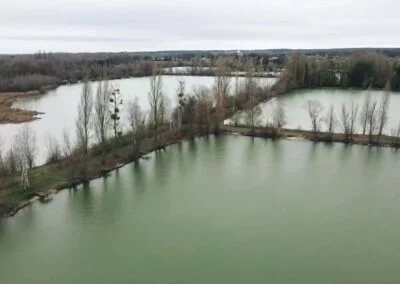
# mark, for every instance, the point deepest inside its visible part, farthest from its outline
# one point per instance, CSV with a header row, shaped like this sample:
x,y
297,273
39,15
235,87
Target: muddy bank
x,y
8,114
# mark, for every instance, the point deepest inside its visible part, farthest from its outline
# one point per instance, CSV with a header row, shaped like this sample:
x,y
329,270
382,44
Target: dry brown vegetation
x,y
8,114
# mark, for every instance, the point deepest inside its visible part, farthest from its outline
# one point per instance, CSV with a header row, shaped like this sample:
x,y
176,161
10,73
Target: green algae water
x,y
219,210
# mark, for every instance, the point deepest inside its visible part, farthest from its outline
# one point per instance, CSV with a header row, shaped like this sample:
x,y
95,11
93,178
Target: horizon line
x,y
209,50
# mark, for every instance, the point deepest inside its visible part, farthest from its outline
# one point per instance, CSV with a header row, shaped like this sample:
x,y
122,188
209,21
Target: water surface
x,y
219,210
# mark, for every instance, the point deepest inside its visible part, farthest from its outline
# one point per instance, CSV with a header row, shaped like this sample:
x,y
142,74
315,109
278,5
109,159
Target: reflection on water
x,y
139,180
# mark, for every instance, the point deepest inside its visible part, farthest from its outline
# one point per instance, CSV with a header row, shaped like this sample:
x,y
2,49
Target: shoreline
x,y
385,141
11,209
43,194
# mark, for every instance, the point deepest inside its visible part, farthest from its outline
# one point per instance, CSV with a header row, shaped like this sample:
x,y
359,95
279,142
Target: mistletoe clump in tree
x,y
116,105
181,101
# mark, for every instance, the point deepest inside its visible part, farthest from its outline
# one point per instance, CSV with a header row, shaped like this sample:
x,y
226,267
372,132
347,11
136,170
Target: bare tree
x,y
353,117
221,91
253,111
331,121
364,112
12,161
54,153
136,119
204,106
372,119
155,97
384,109
101,112
396,134
67,150
84,121
26,146
181,100
102,115
165,110
314,109
345,121
279,115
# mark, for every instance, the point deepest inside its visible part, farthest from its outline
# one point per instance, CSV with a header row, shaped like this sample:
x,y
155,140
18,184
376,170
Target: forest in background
x,y
360,70
332,67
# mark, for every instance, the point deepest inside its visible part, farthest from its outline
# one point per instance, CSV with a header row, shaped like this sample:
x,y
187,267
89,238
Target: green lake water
x,y
219,210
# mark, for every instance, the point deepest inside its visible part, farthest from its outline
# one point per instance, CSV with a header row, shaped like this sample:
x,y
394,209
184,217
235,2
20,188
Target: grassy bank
x,y
51,178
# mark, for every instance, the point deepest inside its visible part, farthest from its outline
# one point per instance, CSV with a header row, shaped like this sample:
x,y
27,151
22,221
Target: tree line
x,y
366,70
371,117
43,71
46,70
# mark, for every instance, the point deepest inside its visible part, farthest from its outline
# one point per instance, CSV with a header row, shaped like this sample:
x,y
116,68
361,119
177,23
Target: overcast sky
x,y
27,26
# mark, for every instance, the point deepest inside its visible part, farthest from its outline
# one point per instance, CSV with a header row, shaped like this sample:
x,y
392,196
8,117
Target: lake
x,y
219,210
60,105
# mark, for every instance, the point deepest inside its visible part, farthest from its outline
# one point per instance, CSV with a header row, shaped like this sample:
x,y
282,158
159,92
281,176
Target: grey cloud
x,y
176,24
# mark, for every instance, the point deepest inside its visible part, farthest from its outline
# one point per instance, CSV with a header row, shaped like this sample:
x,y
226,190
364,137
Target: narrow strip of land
x,y
9,114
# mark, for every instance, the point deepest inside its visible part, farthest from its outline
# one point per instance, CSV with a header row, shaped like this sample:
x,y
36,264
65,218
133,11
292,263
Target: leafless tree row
x,y
54,151
156,98
251,87
331,121
314,109
137,123
221,91
279,115
373,117
101,111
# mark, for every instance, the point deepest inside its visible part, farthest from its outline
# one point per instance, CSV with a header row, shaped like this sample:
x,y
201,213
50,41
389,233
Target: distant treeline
x,y
43,70
365,70
34,72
